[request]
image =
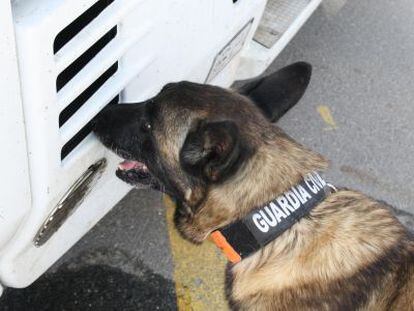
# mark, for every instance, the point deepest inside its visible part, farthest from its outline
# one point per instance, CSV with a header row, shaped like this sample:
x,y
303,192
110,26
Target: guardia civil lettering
x,y
286,204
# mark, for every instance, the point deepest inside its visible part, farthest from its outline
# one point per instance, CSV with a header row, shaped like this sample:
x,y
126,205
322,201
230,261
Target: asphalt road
x,y
357,112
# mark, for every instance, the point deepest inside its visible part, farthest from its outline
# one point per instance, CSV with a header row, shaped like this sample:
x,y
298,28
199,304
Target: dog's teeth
x,y
144,168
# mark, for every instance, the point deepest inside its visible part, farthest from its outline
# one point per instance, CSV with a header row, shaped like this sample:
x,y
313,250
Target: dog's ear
x,y
212,151
275,94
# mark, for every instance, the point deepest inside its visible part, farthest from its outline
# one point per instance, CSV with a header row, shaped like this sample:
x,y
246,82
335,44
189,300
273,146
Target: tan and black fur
x,y
217,153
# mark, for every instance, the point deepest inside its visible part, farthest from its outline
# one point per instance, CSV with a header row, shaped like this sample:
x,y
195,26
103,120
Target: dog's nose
x,y
93,123
102,118
100,123
96,121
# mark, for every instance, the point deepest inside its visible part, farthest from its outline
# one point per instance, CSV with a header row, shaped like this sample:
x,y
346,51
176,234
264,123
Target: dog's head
x,y
192,137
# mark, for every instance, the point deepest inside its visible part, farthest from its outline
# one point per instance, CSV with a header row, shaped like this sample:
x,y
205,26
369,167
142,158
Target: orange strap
x,y
227,249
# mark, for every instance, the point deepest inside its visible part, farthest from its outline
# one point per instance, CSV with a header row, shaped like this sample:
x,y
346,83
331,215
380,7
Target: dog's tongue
x,y
129,165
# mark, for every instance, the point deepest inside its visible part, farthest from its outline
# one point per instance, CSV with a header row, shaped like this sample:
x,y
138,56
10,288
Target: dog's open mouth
x,y
135,166
137,174
134,172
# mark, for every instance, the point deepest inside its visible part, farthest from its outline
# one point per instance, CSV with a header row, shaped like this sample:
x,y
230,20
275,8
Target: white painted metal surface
x,y
15,198
155,42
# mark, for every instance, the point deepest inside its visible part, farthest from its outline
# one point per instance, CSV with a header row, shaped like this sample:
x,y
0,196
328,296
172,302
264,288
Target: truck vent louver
x,y
85,95
81,135
80,65
66,75
78,24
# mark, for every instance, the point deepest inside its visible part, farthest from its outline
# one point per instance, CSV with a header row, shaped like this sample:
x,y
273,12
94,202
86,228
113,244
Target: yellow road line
x,y
326,115
198,271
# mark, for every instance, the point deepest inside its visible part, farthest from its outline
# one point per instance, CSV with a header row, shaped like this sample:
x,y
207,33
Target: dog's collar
x,y
265,223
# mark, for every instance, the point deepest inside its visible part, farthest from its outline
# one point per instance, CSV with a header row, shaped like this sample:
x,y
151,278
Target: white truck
x,y
63,61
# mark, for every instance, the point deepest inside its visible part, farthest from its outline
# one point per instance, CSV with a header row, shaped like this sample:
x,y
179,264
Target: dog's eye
x,y
146,127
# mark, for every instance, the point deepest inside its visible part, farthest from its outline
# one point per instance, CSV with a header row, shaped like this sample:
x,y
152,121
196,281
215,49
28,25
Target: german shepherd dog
x,y
218,153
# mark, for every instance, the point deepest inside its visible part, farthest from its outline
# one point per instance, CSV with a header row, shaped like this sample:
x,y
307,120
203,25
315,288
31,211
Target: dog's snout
x,y
93,123
99,123
110,118
115,124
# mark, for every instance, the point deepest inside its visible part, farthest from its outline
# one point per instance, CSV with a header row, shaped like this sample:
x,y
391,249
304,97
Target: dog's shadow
x,y
93,287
